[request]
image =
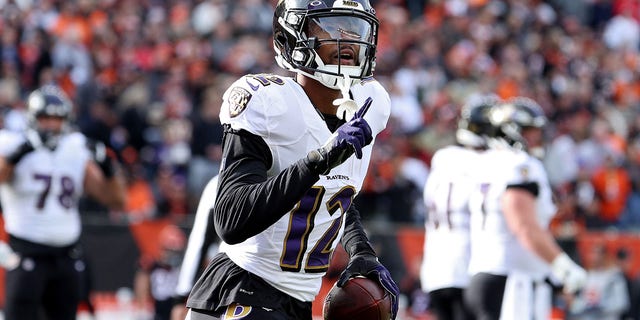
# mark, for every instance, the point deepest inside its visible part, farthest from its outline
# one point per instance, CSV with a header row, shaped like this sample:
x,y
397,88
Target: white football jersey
x,y
40,202
446,197
293,254
494,248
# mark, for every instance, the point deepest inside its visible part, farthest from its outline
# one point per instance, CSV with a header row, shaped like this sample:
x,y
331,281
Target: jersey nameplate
x,y
238,101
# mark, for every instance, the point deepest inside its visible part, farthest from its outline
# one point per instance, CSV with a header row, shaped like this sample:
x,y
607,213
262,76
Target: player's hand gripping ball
x,y
359,299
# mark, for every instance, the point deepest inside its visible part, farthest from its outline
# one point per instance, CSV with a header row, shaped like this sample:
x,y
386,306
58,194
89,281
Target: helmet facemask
x,y
516,116
474,126
349,34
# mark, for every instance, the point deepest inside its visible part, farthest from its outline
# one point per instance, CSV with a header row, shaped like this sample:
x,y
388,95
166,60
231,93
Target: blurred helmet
x,y
172,238
515,115
172,243
49,101
474,125
347,22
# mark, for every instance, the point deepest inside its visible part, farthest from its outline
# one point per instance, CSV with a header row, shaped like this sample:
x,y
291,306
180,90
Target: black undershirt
x,y
332,121
531,187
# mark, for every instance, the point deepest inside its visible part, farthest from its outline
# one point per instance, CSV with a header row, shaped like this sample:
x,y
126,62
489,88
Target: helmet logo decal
x,y
317,5
238,101
37,101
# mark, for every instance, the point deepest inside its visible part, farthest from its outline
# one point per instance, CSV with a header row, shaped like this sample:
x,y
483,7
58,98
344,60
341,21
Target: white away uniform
x,y
446,196
293,254
495,249
40,203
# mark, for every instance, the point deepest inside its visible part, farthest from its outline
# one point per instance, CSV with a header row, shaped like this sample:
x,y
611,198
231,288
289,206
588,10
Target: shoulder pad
x,y
9,141
244,89
252,99
76,139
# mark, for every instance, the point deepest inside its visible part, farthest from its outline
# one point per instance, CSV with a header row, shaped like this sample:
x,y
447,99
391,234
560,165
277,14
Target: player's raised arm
x,y
104,179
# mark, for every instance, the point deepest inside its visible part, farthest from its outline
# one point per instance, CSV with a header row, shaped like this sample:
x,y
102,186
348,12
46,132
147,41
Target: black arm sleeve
x,y
248,201
355,240
532,187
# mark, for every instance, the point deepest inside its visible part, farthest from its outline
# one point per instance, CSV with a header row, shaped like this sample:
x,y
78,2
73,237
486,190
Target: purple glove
x,y
348,139
368,265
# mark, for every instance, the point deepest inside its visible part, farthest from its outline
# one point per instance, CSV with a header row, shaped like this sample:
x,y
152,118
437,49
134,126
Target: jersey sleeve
x,y
545,206
529,173
78,142
9,141
243,109
252,102
520,171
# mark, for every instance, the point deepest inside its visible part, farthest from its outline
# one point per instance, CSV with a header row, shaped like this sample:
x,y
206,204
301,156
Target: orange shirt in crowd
x,y
612,186
140,199
73,27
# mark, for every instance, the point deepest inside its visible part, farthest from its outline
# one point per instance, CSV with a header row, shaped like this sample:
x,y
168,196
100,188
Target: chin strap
x,y
346,106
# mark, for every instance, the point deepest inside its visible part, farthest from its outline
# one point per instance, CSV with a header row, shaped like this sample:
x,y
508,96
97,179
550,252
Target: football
x,y
359,299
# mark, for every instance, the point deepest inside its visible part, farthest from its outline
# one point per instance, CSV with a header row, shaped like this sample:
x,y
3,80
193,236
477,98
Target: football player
x,y
512,250
443,274
43,174
295,153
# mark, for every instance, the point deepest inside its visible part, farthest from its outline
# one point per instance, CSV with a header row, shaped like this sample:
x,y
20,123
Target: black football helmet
x,y
474,125
49,101
515,115
347,22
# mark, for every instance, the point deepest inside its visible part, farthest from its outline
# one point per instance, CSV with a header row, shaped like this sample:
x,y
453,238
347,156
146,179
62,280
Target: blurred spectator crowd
x,y
147,78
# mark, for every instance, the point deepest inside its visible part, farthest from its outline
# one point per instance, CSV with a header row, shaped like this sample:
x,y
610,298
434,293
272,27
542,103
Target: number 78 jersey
x,y
294,253
40,202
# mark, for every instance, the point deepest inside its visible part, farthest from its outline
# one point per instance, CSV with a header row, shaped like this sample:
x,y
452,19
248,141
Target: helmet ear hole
x,y
279,38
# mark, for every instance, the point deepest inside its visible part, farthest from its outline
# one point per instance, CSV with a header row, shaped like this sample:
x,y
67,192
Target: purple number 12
x,y
301,223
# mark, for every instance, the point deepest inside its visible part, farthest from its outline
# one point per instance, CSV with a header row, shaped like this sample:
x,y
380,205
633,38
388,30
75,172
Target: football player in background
x,y
43,173
202,244
443,274
295,154
512,250
156,279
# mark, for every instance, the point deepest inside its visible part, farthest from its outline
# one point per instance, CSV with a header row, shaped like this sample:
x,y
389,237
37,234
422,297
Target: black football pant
x,y
220,294
483,296
448,304
236,311
43,285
